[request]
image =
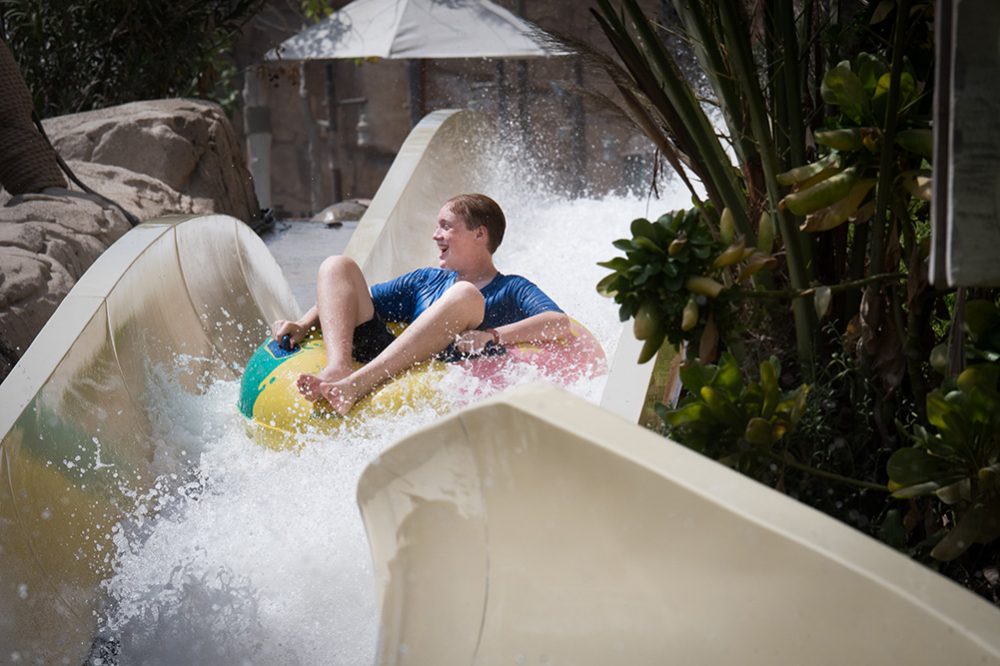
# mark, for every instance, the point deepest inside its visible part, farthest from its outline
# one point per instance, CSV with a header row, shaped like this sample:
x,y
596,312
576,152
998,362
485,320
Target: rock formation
x,y
153,158
187,144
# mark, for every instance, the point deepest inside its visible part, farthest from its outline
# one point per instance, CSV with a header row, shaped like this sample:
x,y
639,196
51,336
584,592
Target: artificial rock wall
x,y
155,158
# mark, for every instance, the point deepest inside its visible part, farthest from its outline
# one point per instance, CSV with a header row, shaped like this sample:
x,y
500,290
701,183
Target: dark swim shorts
x,y
370,339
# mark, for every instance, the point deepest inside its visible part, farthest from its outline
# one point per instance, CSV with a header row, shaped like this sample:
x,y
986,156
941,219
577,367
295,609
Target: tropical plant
x,y
732,420
661,101
958,458
826,112
84,54
672,279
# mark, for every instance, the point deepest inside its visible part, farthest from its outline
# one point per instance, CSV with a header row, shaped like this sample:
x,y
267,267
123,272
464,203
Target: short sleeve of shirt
x,y
403,298
511,298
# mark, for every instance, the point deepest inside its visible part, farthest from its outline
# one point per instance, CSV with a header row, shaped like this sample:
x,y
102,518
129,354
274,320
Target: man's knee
x,y
465,297
465,292
338,265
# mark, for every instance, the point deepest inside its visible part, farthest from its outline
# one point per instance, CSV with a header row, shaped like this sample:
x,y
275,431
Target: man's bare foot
x,y
336,393
334,373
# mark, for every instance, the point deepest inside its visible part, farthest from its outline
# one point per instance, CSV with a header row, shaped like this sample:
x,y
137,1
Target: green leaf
x,y
937,406
686,414
982,376
605,286
694,375
794,403
651,346
620,264
647,272
641,227
908,90
843,88
752,399
625,312
758,433
722,408
769,384
648,244
914,466
870,70
729,377
892,531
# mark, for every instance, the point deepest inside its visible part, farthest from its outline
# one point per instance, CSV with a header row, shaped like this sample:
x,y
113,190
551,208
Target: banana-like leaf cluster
x,y
839,185
731,419
665,267
671,277
959,460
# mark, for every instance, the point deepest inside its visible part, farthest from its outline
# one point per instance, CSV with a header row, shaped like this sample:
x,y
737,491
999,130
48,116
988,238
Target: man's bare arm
x,y
297,330
538,328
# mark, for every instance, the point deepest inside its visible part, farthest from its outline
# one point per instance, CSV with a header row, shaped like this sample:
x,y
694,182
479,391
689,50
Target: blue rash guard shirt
x,y
509,298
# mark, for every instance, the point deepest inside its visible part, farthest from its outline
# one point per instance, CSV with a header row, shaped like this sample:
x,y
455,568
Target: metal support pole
x,y
257,128
313,141
333,145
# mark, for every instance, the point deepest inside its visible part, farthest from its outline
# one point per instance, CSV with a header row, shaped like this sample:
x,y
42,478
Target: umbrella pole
x,y
579,131
502,111
522,85
415,75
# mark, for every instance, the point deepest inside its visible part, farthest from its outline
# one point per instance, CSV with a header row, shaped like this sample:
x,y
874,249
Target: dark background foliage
x,y
77,55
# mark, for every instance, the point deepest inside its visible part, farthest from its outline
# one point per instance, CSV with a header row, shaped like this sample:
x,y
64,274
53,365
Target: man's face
x,y
458,246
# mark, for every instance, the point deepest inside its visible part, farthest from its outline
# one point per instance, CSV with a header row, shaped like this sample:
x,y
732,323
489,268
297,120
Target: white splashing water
x,y
260,557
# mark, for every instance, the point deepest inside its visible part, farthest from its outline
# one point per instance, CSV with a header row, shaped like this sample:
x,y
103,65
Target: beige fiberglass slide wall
x,y
540,529
82,435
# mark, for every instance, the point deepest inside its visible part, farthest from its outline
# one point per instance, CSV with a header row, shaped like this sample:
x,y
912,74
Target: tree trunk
x,y
27,162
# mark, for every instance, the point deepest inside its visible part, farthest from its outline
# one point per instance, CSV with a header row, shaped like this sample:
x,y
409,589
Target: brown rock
x,y
188,144
152,158
47,241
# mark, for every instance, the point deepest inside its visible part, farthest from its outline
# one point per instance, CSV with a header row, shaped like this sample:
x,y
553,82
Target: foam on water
x,y
257,556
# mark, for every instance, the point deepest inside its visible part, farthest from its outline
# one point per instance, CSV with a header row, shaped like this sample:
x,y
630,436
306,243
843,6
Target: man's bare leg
x,y
461,308
343,301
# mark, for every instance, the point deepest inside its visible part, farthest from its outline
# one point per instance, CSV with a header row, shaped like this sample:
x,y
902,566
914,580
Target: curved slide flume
x,y
646,531
537,528
186,297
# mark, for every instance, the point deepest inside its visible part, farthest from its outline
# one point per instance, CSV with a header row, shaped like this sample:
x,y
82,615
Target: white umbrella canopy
x,y
417,29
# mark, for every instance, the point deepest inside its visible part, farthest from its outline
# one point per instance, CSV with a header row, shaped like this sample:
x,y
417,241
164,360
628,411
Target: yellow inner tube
x,y
279,414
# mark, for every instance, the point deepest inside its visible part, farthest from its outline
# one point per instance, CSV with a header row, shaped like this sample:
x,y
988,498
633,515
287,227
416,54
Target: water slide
x,y
538,528
494,525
